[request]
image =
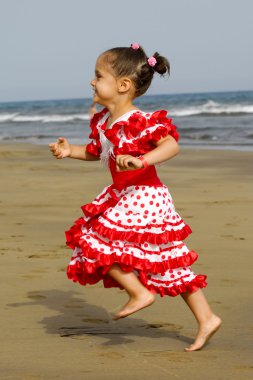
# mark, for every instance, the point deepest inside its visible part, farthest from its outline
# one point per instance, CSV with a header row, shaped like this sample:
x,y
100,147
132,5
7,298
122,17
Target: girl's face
x,y
104,84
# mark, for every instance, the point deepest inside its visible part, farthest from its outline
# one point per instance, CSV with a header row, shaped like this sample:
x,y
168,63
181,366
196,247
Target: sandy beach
x,y
52,328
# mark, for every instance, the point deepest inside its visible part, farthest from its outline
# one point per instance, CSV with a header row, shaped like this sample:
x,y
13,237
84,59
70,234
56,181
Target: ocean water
x,y
222,120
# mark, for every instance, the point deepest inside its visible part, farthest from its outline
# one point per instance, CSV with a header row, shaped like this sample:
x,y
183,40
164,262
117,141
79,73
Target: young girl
x,y
131,236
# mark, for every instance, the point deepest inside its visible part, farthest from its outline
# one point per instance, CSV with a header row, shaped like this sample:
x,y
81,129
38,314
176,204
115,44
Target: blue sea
x,y
222,120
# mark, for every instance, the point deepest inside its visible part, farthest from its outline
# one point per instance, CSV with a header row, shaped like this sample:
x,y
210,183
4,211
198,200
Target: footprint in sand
x,y
232,236
31,276
228,282
244,367
111,355
35,296
170,356
25,376
61,270
42,255
40,270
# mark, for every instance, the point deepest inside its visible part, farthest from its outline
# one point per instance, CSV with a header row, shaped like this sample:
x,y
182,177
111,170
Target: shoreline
x,y
233,148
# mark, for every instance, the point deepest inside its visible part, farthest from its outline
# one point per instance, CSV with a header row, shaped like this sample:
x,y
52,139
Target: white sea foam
x,y
7,116
213,108
19,118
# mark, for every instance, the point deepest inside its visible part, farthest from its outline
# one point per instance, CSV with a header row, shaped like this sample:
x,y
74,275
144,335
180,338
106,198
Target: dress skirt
x,y
134,224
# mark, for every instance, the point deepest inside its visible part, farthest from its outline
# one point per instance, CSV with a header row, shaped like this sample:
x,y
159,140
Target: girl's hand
x,y
127,162
61,148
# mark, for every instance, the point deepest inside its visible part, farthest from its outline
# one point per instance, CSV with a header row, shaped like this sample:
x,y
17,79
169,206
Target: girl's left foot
x,y
135,304
205,332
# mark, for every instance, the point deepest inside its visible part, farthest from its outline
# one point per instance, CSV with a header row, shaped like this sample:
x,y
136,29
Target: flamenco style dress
x,y
132,222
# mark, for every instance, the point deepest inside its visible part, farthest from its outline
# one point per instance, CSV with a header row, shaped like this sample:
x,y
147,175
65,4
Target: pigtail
x,y
162,65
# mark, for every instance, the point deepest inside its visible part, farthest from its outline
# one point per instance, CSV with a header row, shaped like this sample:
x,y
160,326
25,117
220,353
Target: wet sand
x,y
52,328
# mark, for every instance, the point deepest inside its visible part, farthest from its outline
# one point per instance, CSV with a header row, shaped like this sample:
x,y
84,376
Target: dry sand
x,y
52,328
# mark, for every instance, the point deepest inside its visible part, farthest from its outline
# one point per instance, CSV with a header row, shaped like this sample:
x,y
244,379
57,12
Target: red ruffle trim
x,y
94,121
138,237
92,210
138,123
128,262
74,233
93,149
145,143
77,273
191,287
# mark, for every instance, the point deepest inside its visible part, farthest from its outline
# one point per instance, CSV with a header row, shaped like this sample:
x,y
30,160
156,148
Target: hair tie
x,y
135,46
152,61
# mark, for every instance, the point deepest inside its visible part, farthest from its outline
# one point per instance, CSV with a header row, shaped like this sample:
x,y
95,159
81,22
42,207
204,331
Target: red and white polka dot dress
x,y
133,222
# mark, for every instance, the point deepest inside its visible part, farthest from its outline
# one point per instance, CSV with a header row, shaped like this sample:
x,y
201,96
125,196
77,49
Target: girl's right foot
x,y
206,331
135,304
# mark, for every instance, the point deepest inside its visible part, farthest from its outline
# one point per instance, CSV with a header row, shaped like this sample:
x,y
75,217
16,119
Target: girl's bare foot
x,y
206,331
135,304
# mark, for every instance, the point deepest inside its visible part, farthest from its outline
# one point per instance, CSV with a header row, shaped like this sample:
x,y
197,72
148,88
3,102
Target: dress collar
x,y
124,117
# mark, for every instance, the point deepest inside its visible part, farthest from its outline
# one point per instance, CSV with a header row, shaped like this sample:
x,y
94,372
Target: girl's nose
x,y
92,83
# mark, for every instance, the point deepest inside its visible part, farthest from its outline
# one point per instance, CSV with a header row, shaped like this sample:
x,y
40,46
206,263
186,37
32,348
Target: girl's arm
x,y
166,148
62,149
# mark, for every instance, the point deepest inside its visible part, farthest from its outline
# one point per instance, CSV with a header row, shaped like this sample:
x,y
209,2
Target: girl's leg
x,y
208,322
139,296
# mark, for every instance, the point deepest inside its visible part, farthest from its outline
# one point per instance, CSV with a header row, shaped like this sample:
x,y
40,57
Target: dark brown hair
x,y
133,63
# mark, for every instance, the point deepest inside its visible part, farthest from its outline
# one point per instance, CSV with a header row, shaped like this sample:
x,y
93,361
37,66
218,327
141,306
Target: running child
x,y
131,236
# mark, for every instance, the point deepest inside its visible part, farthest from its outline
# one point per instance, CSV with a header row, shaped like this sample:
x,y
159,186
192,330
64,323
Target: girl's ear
x,y
124,84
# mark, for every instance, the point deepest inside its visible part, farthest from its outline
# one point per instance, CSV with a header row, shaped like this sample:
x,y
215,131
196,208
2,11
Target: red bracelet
x,y
144,162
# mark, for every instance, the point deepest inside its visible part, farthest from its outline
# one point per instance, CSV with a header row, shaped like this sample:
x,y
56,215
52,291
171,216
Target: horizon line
x,y
145,95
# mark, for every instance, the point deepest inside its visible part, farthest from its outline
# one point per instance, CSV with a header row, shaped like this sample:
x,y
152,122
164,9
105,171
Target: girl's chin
x,y
98,101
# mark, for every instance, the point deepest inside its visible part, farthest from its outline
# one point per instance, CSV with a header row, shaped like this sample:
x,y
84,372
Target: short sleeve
x,y
94,146
144,130
158,126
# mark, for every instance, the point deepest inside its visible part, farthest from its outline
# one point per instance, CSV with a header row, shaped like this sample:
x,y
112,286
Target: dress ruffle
x,y
127,261
140,133
140,237
197,283
92,274
94,147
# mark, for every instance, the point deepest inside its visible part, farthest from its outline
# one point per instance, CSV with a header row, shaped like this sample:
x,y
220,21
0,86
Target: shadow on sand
x,y
76,318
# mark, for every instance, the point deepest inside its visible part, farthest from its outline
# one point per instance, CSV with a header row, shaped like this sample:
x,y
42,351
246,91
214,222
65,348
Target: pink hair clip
x,y
152,61
135,46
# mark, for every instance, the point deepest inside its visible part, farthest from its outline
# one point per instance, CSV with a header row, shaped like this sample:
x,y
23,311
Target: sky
x,y
49,47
